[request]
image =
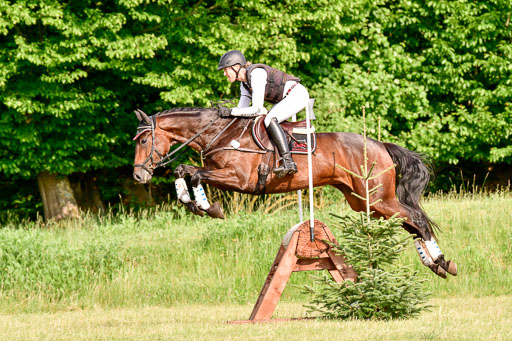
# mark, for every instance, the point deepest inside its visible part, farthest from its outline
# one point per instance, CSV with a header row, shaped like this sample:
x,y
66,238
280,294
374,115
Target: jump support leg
x,y
298,253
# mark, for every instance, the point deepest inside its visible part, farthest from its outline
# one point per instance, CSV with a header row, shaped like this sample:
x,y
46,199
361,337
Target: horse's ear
x,y
138,115
142,116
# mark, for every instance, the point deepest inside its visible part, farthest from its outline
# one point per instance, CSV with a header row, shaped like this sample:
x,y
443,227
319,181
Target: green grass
x,y
170,258
476,233
459,318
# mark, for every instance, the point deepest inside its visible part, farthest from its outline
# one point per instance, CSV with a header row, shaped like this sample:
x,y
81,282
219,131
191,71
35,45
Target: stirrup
x,y
287,167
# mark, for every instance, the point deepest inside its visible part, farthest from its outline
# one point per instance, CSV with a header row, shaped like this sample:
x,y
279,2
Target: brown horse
x,y
232,161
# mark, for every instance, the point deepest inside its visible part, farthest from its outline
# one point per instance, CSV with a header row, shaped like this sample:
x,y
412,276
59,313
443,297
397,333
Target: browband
x,y
137,136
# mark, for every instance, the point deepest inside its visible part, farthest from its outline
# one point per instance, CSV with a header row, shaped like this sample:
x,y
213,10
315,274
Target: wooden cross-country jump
x,y
298,253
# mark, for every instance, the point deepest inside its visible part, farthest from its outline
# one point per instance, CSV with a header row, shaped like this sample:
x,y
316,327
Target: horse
x,y
234,161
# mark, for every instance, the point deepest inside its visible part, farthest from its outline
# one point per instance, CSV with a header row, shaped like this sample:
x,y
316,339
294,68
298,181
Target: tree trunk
x,y
58,199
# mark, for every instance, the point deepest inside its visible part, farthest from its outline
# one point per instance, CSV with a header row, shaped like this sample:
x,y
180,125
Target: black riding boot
x,y
277,135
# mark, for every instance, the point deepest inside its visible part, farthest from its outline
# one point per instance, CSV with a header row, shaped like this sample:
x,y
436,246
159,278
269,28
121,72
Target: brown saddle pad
x,y
298,144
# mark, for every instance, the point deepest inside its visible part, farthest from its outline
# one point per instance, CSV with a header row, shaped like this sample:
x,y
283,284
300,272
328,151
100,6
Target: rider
x,y
259,83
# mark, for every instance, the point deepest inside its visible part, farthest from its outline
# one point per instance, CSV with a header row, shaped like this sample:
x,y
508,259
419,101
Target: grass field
x,y
459,318
168,275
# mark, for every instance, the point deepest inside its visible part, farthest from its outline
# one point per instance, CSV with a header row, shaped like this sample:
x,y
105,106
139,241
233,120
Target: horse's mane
x,y
189,110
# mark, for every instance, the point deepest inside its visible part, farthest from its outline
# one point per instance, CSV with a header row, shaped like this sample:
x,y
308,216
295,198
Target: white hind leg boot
x,y
426,257
433,249
422,252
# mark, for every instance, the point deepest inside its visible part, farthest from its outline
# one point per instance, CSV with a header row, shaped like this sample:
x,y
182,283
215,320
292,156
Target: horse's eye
x,y
144,140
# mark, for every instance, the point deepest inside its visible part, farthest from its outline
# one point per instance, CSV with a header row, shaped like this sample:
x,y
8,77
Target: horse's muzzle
x,y
140,175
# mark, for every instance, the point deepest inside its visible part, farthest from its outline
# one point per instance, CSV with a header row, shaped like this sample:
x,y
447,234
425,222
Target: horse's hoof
x,y
215,211
438,270
452,268
449,266
192,207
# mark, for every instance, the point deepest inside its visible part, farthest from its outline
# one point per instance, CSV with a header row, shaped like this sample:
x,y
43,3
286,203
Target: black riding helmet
x,y
231,58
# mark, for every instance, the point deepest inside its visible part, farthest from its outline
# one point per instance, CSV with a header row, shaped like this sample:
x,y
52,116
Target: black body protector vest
x,y
274,89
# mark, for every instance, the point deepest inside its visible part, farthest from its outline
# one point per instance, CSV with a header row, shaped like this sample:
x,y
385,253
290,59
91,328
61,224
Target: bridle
x,y
142,129
163,159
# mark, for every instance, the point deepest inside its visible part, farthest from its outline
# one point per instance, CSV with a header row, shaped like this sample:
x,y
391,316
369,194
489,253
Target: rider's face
x,y
230,72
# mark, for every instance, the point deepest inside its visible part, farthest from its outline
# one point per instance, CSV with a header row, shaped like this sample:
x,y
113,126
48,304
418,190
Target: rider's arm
x,y
258,82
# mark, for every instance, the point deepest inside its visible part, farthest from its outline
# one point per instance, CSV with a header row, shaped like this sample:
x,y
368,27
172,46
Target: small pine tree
x,y
383,290
372,246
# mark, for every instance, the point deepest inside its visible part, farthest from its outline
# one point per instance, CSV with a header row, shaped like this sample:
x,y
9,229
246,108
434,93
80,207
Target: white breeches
x,y
290,105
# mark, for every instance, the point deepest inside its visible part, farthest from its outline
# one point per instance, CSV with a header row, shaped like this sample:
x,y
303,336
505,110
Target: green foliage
x,y
383,290
372,244
24,200
438,73
65,85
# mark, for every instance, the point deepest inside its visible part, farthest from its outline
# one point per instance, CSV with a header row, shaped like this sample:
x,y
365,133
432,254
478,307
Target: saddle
x,y
295,131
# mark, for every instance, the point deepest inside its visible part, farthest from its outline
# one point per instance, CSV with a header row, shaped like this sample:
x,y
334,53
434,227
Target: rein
x,y
166,159
217,137
206,152
162,162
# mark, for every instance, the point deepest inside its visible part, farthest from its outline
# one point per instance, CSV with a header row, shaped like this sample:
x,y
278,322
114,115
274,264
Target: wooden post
x,y
298,253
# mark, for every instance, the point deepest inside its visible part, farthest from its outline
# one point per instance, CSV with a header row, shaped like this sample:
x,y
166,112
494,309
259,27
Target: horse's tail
x,y
412,176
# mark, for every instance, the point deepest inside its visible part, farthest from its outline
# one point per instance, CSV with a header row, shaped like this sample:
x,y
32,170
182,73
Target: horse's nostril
x,y
136,177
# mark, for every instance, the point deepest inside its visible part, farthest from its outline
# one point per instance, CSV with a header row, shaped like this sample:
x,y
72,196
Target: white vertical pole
x,y
309,106
299,192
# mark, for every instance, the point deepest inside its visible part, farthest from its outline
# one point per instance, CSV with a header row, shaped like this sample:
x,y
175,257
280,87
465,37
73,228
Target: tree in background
x,y
66,89
438,73
71,72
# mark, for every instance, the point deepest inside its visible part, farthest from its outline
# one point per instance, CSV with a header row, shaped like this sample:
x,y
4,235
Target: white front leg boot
x,y
200,196
182,191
